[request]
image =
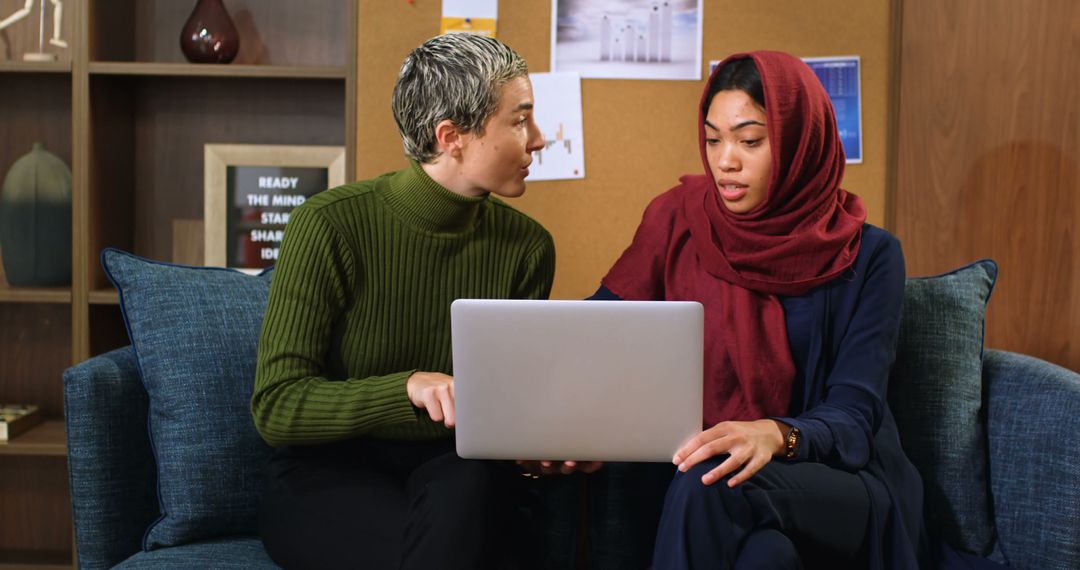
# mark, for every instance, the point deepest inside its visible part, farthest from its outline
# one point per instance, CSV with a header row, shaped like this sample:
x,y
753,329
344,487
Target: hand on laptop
x,y
546,467
434,392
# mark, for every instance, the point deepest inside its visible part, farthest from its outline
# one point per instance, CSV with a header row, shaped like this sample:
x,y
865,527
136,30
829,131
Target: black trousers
x,y
378,504
621,505
801,515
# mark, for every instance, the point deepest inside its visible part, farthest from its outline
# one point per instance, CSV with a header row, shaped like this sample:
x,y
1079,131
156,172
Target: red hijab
x,y
689,246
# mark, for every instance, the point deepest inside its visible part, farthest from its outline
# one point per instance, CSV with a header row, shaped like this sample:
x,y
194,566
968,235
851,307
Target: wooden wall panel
x,y
989,151
640,136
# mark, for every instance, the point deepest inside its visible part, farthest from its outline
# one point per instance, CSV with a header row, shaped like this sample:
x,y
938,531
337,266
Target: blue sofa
x,y
999,454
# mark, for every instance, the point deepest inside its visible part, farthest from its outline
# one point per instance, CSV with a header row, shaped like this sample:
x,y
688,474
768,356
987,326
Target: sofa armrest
x,y
1033,408
110,463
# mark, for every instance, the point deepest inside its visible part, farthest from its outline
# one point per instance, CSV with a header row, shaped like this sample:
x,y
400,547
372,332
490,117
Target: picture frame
x,y
250,191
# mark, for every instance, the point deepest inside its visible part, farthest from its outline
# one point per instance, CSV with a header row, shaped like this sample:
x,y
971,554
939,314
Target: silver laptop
x,y
580,380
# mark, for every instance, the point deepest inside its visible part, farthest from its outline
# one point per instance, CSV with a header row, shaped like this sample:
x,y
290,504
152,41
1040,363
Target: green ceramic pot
x,y
35,221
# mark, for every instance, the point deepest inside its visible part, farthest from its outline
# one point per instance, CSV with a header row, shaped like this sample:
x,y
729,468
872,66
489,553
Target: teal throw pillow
x,y
936,395
195,331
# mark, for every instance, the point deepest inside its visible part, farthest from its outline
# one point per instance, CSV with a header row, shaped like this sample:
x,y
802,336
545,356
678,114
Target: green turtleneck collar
x,y
426,204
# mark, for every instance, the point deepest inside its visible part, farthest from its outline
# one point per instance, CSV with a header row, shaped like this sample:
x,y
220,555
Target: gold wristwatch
x,y
791,443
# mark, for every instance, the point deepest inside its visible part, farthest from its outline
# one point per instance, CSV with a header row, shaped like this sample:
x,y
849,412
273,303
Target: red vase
x,y
209,36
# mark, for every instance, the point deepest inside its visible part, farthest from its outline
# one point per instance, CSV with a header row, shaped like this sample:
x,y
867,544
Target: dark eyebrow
x,y
524,107
747,124
736,127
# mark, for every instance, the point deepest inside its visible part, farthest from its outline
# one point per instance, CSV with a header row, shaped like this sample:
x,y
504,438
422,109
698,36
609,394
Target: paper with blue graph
x,y
841,78
558,114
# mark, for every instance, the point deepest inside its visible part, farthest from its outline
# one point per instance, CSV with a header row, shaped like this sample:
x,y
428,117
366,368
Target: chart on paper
x,y
558,114
560,140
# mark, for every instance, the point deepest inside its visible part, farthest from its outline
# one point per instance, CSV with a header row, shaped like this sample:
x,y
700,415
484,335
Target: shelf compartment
x,y
36,108
37,486
211,70
46,439
35,348
107,330
149,137
271,33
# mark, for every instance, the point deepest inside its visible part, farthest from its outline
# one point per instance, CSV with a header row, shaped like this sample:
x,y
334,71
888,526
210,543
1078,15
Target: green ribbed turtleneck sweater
x,y
360,299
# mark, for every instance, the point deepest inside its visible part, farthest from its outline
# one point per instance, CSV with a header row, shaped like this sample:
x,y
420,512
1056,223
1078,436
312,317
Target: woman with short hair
x,y
352,385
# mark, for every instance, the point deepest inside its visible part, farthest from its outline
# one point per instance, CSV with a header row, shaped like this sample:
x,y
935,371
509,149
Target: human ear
x,y
449,138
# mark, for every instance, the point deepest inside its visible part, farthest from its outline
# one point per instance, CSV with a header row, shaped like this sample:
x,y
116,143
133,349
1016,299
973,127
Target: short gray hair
x,y
453,76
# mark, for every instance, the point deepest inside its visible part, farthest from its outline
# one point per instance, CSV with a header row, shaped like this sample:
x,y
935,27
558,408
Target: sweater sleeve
x,y
538,271
293,401
840,430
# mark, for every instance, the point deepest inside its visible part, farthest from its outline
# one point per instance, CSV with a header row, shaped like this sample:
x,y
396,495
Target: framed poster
x,y
250,190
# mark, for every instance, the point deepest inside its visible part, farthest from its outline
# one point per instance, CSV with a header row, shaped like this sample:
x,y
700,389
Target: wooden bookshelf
x,y
130,117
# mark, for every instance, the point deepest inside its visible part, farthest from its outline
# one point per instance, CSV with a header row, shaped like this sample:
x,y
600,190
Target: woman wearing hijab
x,y
799,462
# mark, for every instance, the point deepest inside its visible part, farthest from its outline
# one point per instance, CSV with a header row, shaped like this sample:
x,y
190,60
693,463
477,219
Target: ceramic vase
x,y
209,36
35,221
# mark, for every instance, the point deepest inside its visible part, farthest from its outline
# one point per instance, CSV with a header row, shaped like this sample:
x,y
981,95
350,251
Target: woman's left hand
x,y
749,444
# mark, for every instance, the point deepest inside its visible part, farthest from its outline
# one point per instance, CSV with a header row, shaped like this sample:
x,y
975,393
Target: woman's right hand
x,y
434,392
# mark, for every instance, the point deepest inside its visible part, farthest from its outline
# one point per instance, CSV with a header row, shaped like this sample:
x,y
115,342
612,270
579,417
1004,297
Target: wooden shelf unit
x,y
130,116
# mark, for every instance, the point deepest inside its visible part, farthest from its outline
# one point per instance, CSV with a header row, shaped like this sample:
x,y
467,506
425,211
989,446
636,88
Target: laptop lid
x,y
580,380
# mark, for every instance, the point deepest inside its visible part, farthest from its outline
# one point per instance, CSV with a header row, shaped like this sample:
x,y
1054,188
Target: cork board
x,y
640,136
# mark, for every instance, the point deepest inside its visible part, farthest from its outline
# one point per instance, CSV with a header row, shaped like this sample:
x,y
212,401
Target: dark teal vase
x,y
35,221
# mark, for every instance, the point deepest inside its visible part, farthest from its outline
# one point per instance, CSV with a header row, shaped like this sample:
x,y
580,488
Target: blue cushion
x,y
227,554
936,394
195,331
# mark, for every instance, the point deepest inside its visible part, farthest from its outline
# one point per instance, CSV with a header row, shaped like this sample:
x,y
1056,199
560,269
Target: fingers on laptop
x,y
433,392
589,466
547,467
439,403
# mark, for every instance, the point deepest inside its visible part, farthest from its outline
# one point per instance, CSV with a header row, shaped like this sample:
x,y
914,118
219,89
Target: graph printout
x,y
840,76
558,114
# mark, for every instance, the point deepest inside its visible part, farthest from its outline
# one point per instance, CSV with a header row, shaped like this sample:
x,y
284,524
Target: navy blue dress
x,y
842,337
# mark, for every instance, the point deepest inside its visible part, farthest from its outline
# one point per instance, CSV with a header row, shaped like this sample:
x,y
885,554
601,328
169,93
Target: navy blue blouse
x,y
842,337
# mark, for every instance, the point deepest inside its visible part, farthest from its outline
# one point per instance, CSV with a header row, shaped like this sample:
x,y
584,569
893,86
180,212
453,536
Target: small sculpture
x,y
56,40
